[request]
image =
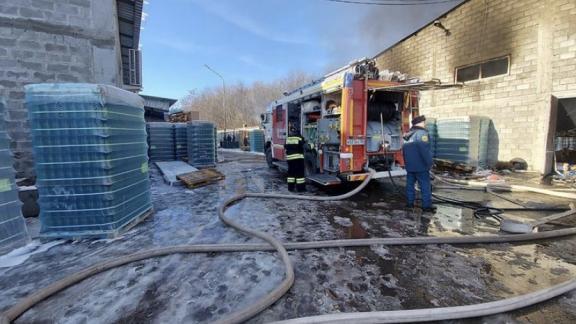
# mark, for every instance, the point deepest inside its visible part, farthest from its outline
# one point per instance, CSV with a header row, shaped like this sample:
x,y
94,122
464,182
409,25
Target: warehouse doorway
x,y
563,141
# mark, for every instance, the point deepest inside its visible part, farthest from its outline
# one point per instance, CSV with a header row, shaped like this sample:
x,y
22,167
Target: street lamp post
x,y
224,109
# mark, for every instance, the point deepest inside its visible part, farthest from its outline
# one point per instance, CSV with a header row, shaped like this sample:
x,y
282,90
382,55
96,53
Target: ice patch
x,y
346,222
381,205
391,281
240,151
20,255
382,252
110,240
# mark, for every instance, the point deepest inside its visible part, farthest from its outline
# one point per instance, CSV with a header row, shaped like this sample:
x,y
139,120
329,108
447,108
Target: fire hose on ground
x,y
511,188
431,314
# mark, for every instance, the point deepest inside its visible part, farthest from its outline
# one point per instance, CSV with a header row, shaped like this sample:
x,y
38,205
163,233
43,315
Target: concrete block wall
x,y
564,49
53,41
537,36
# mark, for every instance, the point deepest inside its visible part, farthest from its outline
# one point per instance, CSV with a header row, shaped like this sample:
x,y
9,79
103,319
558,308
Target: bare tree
x,y
245,103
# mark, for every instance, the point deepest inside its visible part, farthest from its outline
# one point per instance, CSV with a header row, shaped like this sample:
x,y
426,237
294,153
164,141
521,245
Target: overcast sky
x,y
249,40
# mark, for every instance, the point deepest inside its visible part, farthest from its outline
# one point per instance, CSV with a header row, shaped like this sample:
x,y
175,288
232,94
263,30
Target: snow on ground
x,y
239,151
200,288
20,255
346,222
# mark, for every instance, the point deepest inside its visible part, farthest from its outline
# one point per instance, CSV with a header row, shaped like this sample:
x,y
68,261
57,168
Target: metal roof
x,y
158,102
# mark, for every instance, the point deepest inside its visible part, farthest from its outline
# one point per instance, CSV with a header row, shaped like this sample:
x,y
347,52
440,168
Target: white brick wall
x,y
539,36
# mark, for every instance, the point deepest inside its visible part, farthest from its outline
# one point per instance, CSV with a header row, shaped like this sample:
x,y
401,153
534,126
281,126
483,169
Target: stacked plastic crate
x,y
201,144
181,141
13,232
91,158
215,143
463,139
161,141
256,139
432,133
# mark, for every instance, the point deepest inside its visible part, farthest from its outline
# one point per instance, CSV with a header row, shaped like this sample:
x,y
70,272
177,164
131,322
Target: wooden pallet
x,y
171,169
111,234
132,224
181,117
201,178
451,166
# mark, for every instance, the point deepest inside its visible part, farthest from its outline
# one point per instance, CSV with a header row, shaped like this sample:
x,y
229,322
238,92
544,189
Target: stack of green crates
x,y
90,157
463,139
181,141
201,144
256,140
13,232
432,134
161,141
215,144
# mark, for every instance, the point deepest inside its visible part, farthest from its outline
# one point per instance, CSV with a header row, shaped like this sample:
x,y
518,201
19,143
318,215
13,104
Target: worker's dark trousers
x,y
423,179
296,177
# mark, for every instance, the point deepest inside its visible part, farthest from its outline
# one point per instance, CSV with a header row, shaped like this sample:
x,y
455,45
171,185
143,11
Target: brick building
x,y
92,41
518,62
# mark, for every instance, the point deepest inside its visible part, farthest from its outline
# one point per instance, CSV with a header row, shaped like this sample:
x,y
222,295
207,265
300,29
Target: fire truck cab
x,y
350,120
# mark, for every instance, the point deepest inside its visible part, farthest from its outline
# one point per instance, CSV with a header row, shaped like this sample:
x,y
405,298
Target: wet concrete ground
x,y
201,288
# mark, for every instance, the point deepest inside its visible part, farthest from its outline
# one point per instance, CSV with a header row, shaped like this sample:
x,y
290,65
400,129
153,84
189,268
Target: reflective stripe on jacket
x,y
294,156
293,140
294,148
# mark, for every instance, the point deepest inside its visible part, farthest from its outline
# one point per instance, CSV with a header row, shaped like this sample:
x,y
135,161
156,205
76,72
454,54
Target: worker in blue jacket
x,y
418,162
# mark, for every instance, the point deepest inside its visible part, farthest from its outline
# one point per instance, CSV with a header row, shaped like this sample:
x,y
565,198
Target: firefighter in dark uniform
x,y
418,162
294,149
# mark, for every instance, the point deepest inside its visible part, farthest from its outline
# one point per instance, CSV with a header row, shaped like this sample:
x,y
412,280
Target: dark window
x,y
483,70
495,67
279,115
468,73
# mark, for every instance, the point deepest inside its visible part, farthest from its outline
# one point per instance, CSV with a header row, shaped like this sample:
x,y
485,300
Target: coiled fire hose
x,y
273,244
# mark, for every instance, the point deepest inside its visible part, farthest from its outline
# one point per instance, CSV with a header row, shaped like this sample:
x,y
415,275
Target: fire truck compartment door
x,y
279,132
353,127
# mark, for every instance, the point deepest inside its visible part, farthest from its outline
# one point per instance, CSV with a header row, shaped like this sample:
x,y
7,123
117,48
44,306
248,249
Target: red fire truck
x,y
351,119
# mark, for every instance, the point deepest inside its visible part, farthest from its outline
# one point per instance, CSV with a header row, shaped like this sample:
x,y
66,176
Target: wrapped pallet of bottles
x,y
181,141
161,141
91,158
256,140
216,143
463,139
201,144
432,133
13,232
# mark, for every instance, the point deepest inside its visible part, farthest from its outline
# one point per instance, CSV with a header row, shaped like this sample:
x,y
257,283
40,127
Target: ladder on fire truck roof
x,y
434,84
